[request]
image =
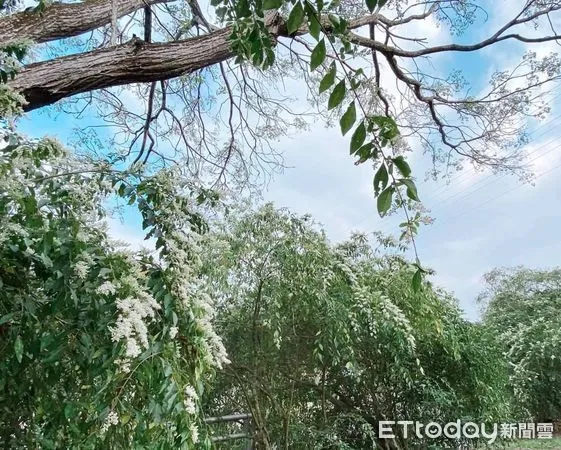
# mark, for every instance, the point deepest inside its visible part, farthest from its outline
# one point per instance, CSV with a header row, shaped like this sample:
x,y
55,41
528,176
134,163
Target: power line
x,y
491,176
499,196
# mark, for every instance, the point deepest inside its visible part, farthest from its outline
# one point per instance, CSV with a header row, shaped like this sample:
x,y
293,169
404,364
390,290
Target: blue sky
x,y
482,221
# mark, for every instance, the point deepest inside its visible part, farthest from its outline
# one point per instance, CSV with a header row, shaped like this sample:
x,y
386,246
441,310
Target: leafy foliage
x,y
94,335
523,308
326,340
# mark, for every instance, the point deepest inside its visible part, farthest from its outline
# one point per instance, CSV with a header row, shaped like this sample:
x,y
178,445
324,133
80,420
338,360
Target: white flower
x,y
194,433
189,402
106,288
111,419
191,392
131,325
81,268
133,350
124,365
173,332
190,406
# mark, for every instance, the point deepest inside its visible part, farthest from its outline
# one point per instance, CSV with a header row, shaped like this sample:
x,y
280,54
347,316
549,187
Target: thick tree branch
x,y
63,20
46,82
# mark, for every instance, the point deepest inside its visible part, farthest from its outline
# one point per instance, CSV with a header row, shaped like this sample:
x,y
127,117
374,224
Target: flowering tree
x,y
522,306
326,340
100,346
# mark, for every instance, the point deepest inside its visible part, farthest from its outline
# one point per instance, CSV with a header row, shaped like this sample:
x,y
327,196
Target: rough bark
x,y
134,62
63,20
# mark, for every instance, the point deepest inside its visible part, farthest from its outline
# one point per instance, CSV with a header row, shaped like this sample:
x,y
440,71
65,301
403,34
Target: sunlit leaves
x,y
67,292
337,95
318,55
295,18
348,119
417,280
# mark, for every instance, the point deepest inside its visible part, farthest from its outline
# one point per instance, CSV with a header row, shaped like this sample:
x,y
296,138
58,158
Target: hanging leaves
x,y
295,18
417,280
381,179
337,95
384,201
402,165
318,55
358,137
328,79
348,119
371,5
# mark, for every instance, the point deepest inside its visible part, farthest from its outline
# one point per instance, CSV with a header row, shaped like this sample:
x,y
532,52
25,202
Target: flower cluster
x,y
107,288
190,400
111,419
194,430
131,326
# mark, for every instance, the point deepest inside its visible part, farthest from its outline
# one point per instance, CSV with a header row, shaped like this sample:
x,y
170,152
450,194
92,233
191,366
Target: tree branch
x,y
63,20
46,82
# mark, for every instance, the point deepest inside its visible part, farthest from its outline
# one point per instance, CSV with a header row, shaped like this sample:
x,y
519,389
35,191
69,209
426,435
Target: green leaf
x,y
313,23
318,55
329,78
295,18
381,179
381,3
411,189
387,127
358,137
18,348
348,119
337,95
402,166
315,27
333,19
417,280
271,4
6,318
385,201
371,5
365,152
242,8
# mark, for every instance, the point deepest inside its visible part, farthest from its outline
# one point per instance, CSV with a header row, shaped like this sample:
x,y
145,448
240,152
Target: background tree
x,y
325,341
522,306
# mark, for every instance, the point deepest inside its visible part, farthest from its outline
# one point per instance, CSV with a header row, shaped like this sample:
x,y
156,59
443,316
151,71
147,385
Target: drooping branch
x,y
63,20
